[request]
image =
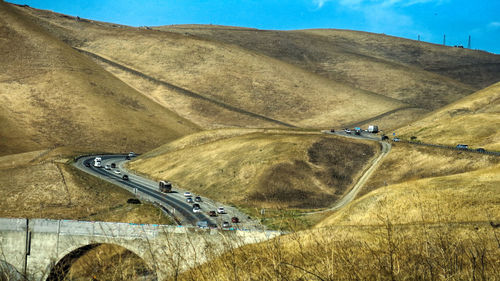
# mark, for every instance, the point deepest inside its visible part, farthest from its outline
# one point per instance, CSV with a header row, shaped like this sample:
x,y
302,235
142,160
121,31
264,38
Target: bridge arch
x,y
90,254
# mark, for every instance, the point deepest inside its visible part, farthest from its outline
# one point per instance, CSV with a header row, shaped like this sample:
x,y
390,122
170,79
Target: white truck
x,y
373,129
97,162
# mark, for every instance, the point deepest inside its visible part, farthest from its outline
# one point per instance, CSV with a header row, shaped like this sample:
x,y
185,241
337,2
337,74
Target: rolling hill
x,y
224,77
54,96
263,168
473,120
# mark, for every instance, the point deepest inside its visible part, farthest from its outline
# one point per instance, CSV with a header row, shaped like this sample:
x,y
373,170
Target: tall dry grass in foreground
x,y
420,251
387,252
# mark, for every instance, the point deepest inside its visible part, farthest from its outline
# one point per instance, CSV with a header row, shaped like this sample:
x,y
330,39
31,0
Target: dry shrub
x,y
386,252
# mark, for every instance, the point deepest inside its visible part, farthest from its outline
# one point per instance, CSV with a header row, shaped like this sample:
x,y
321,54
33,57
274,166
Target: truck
x,y
373,129
165,186
357,131
97,162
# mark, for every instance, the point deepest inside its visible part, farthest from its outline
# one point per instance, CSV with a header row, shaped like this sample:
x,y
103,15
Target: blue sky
x,y
430,19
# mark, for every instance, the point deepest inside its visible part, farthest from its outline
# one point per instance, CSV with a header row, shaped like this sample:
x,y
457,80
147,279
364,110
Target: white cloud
x,y
356,4
494,24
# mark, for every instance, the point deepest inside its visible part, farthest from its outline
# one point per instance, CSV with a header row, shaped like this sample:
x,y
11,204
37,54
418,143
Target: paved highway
x,y
174,201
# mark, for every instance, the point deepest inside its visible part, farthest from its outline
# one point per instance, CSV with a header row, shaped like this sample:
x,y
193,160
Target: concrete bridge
x,y
42,249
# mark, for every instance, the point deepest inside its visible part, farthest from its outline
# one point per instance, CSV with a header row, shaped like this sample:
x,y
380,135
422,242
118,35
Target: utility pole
x,y
444,40
468,44
419,37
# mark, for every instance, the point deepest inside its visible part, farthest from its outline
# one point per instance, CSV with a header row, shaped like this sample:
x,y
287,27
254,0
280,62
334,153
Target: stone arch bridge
x,y
37,248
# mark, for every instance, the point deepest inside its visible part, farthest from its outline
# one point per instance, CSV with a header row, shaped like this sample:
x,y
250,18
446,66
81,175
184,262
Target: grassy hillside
x,y
473,120
260,168
299,78
36,186
53,96
386,65
466,197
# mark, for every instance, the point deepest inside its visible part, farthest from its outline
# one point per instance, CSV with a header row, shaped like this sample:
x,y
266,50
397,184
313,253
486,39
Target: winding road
x,y
386,147
174,202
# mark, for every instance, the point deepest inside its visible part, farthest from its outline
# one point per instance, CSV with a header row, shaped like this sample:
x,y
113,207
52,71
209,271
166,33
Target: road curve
x,y
386,147
175,200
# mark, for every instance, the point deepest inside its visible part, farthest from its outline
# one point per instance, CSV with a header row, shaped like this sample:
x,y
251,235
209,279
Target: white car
x,y
196,210
107,167
221,210
117,172
187,194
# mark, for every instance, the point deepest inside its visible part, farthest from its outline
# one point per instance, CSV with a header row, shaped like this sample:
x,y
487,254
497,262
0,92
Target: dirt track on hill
x,y
386,147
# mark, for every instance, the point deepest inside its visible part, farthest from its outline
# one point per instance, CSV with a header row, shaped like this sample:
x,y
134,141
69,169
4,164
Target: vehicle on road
x,y
396,139
332,131
97,162
384,137
187,194
196,205
113,165
197,199
117,172
127,157
212,225
221,210
131,154
462,146
373,129
107,167
189,200
226,224
347,131
212,213
202,224
125,177
357,131
235,220
481,150
196,210
87,164
165,186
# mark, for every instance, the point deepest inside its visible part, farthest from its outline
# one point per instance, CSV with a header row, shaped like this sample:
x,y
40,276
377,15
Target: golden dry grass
x,y
53,96
389,66
50,189
411,162
473,120
390,252
268,168
466,197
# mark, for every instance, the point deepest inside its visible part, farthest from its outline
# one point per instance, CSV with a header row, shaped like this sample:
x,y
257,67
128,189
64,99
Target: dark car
x,y
87,164
235,220
212,225
127,157
332,131
196,205
225,224
189,200
125,177
384,137
481,150
462,146
113,165
197,199
212,213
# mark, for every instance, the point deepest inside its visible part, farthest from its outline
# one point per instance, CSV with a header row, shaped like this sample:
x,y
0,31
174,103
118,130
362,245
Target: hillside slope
x,y
473,120
267,168
386,65
225,74
54,96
